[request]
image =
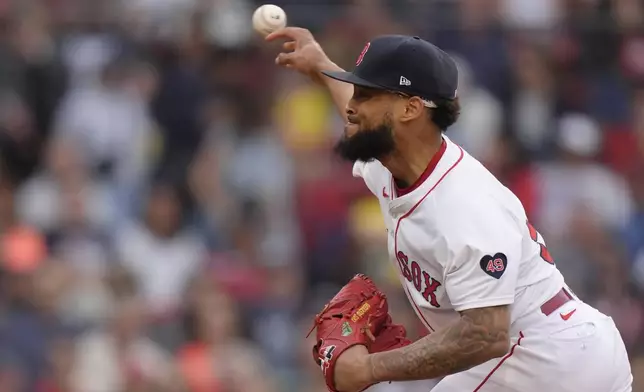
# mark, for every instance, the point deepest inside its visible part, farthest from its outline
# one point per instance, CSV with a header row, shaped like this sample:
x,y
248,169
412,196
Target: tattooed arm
x,y
479,335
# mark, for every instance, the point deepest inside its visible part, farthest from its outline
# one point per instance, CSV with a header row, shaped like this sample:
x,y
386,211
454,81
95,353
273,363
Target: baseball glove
x,y
358,314
391,336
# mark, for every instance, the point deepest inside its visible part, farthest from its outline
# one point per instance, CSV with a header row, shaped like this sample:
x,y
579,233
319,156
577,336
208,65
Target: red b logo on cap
x,y
364,51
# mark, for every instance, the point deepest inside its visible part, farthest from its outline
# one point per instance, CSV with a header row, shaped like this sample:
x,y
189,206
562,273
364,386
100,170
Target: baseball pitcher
x,y
477,273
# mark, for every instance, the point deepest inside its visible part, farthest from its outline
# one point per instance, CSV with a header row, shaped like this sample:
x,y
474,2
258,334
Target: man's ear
x,y
412,109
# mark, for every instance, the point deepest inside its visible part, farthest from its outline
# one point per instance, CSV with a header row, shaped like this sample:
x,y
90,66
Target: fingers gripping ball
x,y
268,18
354,316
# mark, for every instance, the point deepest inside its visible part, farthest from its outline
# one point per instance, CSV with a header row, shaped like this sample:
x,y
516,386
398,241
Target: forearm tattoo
x,y
479,335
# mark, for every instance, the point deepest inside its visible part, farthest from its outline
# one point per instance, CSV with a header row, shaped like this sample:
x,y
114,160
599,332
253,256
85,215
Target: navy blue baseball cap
x,y
404,64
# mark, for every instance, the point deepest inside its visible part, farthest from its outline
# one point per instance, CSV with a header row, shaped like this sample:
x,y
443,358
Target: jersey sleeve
x,y
373,173
484,257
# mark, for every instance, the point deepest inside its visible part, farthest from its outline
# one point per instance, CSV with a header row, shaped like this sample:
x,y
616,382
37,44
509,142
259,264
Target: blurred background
x,y
171,214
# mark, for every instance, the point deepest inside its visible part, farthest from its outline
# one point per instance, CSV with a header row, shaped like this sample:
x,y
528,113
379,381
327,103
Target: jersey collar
x,y
445,158
426,173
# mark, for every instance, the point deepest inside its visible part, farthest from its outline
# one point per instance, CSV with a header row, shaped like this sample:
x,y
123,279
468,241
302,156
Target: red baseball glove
x,y
354,316
358,314
391,336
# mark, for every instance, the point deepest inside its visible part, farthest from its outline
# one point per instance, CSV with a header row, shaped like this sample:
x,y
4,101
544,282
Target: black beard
x,y
367,144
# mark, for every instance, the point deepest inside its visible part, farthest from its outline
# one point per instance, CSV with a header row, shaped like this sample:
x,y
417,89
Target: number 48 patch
x,y
494,265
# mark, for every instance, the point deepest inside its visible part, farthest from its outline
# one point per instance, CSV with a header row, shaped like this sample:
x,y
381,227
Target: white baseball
x,y
268,18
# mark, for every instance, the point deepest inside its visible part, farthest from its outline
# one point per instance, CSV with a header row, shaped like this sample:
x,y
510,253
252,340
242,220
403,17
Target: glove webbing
x,y
366,329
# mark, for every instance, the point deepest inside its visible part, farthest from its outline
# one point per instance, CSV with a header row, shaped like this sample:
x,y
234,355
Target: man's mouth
x,y
350,128
352,120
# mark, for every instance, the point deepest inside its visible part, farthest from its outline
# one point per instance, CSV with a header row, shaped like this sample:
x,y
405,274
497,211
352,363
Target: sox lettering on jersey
x,y
423,282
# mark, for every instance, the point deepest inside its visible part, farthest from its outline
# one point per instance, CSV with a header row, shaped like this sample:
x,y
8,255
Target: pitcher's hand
x,y
301,52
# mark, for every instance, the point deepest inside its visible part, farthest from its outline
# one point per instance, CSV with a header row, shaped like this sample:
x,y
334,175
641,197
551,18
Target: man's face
x,y
369,132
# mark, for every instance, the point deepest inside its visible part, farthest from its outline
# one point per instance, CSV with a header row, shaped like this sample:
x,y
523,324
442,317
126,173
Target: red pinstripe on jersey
x,y
498,365
409,213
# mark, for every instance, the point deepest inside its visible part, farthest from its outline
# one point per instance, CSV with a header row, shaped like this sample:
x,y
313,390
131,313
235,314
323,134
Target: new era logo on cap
x,y
393,61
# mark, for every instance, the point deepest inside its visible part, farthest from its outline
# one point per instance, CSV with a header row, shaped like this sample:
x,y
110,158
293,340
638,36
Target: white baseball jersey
x,y
461,240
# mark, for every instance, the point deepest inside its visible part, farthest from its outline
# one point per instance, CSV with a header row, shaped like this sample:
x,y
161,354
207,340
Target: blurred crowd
x,y
172,215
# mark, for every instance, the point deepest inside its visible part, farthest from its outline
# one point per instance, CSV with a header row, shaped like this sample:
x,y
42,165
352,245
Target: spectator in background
x,y
273,320
179,103
577,187
63,181
577,181
480,123
89,44
217,357
482,43
215,204
533,108
109,128
42,79
32,80
533,16
611,287
240,268
260,169
195,359
86,251
160,241
19,140
120,357
32,289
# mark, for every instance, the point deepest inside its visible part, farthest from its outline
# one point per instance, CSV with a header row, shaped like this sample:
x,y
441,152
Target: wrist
x,y
369,374
324,65
352,369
